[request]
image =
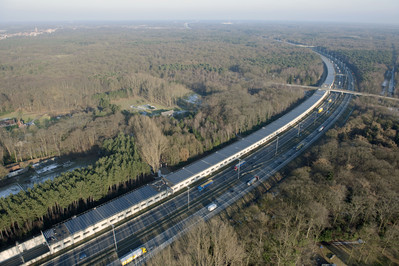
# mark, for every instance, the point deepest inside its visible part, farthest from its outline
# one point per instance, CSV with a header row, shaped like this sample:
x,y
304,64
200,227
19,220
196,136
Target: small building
x,y
168,113
8,122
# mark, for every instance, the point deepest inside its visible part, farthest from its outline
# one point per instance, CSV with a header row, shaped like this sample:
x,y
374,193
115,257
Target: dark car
x,y
82,255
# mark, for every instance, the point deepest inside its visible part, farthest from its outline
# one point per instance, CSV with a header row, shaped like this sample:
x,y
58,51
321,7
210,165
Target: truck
x,y
133,255
205,185
299,146
252,180
239,165
212,206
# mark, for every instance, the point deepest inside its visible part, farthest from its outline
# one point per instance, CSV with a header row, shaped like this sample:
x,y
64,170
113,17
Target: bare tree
x,y
6,141
213,243
150,140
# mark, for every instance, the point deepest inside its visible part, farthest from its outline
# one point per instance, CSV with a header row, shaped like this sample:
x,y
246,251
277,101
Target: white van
x,y
211,207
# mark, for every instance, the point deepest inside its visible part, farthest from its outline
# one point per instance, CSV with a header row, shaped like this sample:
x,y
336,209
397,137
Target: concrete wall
x,y
208,171
11,252
106,223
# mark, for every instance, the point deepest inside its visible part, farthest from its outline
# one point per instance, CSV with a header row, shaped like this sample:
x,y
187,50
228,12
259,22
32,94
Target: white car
x,y
211,207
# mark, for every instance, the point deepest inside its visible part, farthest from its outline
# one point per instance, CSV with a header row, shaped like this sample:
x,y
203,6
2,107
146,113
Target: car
x,y
211,207
82,255
321,129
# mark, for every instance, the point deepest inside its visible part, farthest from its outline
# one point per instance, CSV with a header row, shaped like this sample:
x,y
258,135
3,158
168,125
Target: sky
x,y
351,11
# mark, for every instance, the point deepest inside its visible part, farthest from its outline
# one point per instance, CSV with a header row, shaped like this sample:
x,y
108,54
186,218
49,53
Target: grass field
x,y
125,104
27,116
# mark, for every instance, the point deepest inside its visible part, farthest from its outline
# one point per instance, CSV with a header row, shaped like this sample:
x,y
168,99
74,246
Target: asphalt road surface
x,y
157,226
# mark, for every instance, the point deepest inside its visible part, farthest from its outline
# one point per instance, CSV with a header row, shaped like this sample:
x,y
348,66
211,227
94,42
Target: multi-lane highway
x,y
155,227
263,163
164,222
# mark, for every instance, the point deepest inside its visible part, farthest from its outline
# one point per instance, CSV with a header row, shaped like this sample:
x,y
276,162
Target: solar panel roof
x,y
227,153
242,144
178,176
330,72
113,207
198,166
140,195
109,209
215,158
83,221
254,138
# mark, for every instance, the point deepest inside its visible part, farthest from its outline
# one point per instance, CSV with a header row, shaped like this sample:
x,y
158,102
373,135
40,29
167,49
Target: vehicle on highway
x,y
132,255
205,185
211,207
252,180
99,218
320,110
299,147
82,255
239,165
321,129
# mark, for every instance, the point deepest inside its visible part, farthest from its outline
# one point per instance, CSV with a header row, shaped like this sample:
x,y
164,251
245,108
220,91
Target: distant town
x,y
33,33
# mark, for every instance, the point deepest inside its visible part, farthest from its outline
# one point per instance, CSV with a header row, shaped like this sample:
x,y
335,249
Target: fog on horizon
x,y
354,11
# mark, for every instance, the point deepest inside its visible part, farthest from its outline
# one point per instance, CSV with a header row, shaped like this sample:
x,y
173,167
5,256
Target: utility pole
x,y
188,197
46,241
277,145
113,230
19,252
299,128
239,167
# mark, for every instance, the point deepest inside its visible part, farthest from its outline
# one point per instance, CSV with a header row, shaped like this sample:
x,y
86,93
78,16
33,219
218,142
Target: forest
x,y
343,189
61,82
119,169
71,83
369,51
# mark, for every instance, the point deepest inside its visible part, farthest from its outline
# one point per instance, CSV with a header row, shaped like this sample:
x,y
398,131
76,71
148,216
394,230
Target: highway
x,y
157,225
164,222
264,164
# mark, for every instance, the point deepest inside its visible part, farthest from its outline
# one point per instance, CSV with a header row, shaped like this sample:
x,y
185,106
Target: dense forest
x,y
76,78
119,169
68,83
369,51
344,189
71,85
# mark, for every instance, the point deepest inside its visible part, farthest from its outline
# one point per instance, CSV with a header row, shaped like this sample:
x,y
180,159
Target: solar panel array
x,y
109,209
330,72
105,211
216,158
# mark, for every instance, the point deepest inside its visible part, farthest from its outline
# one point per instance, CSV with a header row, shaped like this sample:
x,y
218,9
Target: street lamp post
x,y
277,145
188,198
239,167
113,230
299,128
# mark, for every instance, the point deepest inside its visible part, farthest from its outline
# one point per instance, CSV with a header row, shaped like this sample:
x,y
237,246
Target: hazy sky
x,y
363,11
